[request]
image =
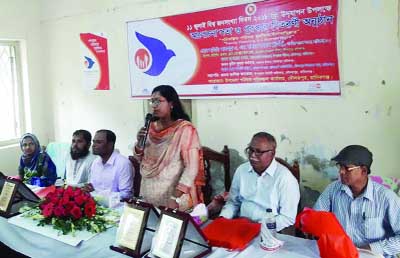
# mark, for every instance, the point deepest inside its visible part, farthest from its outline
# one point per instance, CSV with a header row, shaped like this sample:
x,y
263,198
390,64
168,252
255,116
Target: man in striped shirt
x,y
368,212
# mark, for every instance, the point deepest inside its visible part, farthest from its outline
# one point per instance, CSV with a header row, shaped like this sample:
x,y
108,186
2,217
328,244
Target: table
x,y
293,247
37,246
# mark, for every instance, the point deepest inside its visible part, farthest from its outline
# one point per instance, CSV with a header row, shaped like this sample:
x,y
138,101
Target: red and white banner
x,y
95,60
271,48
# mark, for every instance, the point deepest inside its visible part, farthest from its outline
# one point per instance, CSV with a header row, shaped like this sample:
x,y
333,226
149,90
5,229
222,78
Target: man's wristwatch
x,y
176,199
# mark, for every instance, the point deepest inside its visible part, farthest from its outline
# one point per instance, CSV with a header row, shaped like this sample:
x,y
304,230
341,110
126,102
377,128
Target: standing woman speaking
x,y
171,160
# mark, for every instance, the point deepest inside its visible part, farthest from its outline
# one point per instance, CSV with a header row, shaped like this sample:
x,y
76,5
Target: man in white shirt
x,y
78,163
110,172
263,183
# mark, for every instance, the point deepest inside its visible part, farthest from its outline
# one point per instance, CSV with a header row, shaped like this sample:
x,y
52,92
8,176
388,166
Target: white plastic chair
x,y
58,152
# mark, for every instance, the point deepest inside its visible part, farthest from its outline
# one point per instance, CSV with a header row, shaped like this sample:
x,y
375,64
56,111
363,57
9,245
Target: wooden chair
x,y
208,155
221,157
295,168
138,177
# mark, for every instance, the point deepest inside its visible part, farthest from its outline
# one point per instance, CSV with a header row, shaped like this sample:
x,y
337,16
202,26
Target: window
x,y
11,100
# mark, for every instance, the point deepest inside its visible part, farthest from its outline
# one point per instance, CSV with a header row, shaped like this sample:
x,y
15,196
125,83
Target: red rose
x,y
77,192
67,195
48,210
54,200
91,200
79,200
50,196
90,210
68,207
86,196
64,200
43,204
60,191
59,211
76,212
69,190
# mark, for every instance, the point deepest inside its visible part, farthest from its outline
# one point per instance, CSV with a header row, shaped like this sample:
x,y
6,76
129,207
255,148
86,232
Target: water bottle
x,y
268,239
270,222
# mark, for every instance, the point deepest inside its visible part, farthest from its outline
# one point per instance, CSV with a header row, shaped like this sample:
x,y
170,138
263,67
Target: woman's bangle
x,y
136,152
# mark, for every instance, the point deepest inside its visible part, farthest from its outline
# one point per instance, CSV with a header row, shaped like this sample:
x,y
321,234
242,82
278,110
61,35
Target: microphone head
x,y
149,116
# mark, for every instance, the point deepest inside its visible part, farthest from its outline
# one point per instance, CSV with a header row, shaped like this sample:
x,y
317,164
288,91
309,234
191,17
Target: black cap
x,y
354,154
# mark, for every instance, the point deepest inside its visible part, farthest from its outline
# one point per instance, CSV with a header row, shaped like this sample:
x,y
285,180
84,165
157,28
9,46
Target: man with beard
x,y
263,183
367,211
79,162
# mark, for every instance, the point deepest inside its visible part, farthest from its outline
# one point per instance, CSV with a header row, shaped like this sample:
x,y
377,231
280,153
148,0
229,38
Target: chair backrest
x,y
295,168
221,157
138,177
58,152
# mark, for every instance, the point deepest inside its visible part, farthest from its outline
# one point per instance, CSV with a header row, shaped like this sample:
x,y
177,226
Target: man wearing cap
x,y
367,211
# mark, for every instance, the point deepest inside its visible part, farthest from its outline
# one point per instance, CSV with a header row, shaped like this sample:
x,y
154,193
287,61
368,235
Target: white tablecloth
x,y
37,246
293,247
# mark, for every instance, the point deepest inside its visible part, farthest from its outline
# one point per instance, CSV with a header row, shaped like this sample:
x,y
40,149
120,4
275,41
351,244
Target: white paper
x,y
48,231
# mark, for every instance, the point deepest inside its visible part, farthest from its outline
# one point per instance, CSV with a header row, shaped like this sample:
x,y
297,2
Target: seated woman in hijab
x,y
171,160
35,166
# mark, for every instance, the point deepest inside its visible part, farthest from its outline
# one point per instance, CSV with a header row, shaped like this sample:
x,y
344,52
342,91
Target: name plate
x,y
13,195
168,239
136,229
130,227
6,195
178,236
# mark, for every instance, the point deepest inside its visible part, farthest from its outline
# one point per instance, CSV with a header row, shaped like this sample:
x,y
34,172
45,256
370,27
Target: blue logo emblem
x,y
159,55
89,62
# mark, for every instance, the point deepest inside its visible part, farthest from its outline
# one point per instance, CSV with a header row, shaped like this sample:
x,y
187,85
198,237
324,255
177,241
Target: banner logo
x,y
152,59
250,9
89,62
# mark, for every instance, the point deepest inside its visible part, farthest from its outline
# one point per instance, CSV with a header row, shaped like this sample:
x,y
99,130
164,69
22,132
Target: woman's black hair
x,y
171,95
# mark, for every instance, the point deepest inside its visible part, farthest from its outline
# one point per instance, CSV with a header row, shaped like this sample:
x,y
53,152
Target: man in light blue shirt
x,y
367,211
263,183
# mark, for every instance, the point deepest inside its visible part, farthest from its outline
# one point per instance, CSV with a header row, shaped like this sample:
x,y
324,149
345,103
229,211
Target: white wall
x,y
312,130
20,20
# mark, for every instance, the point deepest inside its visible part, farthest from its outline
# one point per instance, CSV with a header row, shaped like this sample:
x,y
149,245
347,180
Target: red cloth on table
x,y
45,191
333,241
233,234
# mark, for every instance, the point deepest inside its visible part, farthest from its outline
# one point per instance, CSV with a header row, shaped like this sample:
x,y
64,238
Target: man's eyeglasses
x,y
156,102
346,168
258,153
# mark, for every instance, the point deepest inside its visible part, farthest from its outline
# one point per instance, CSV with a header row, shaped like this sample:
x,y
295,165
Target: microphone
x,y
148,119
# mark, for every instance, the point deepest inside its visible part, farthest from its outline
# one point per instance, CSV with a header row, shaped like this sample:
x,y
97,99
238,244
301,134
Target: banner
x,y
95,60
269,48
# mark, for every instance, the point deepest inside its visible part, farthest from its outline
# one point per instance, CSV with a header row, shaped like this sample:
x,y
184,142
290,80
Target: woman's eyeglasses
x,y
258,153
156,102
